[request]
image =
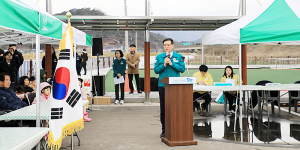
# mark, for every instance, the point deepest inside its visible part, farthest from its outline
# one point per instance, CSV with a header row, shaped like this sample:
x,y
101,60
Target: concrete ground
x,y
135,126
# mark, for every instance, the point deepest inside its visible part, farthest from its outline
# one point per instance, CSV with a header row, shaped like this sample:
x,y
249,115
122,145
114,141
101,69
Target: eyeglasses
x,y
167,45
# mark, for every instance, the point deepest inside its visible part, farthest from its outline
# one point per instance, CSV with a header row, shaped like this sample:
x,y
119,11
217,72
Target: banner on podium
x,y
182,80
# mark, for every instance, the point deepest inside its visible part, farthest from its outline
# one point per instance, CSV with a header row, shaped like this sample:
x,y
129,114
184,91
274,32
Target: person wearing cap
x,y
133,60
167,64
84,57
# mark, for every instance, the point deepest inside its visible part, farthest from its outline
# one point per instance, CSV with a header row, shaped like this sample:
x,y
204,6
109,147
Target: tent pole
x,y
38,65
91,81
240,84
202,52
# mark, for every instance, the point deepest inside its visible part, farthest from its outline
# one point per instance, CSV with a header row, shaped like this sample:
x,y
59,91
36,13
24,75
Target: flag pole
x,y
69,15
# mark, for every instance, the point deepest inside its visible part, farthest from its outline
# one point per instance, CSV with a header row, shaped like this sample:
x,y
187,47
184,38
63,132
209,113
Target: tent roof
x,y
274,23
153,22
24,19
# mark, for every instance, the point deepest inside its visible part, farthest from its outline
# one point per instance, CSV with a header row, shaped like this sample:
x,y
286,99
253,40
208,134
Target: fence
x,y
234,60
284,63
106,62
24,70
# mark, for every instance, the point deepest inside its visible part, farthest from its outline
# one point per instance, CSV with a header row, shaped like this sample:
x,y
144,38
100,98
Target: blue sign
x,y
188,43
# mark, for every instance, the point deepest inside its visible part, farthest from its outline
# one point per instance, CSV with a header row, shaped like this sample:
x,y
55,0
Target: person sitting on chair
x,y
230,95
19,90
8,98
203,78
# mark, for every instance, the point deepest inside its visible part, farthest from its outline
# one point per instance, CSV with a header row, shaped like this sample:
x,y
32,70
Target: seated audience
x,y
32,82
45,92
203,78
8,98
24,82
230,95
19,90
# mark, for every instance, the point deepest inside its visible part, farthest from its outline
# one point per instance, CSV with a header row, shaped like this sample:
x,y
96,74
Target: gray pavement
x,y
135,126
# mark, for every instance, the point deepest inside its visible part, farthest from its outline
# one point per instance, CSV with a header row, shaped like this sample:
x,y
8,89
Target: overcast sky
x,y
158,8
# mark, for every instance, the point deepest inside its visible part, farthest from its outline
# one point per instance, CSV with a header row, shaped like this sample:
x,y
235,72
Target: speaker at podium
x,y
98,85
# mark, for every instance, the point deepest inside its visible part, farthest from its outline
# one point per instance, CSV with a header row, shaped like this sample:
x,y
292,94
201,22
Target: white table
x,y
20,138
29,112
295,87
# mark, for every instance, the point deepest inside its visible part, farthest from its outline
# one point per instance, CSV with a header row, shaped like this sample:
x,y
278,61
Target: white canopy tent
x,y
277,22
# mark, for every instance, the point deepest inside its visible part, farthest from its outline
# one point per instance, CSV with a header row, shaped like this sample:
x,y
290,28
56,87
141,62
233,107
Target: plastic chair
x,y
294,95
266,131
269,96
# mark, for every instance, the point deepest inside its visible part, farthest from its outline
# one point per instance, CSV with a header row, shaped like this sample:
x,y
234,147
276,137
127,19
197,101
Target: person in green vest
x,y
168,64
119,68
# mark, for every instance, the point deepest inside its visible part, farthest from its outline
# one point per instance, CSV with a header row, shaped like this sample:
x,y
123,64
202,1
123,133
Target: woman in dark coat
x,y
10,67
24,82
54,61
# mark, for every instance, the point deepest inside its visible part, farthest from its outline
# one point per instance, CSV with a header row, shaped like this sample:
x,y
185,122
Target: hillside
x,y
255,50
116,38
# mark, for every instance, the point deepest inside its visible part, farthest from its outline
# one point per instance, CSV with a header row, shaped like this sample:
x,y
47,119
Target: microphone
x,y
168,54
183,58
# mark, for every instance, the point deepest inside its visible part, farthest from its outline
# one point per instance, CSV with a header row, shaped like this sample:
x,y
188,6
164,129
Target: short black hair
x,y
132,45
19,89
203,68
121,53
10,45
32,78
168,39
2,76
6,53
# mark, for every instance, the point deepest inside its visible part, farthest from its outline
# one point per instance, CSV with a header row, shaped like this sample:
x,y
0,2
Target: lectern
x,y
179,111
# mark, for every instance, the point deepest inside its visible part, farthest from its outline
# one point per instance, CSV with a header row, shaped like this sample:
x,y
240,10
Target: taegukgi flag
x,y
66,103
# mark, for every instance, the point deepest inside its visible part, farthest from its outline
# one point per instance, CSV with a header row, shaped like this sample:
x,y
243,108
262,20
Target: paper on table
x,y
230,81
119,80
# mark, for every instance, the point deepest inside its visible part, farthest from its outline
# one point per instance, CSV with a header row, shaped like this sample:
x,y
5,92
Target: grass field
x,y
254,75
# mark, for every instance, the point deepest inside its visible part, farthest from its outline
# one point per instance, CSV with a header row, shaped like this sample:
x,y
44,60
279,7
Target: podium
x,y
179,111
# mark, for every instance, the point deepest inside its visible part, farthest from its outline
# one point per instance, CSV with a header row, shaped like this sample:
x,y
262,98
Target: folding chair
x,y
30,97
294,95
201,98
